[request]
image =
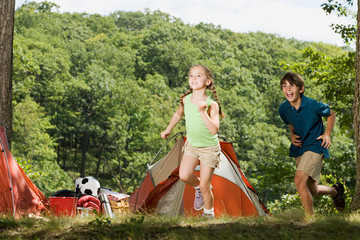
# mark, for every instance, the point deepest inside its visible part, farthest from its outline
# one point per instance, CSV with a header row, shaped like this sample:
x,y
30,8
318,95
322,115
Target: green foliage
x,y
34,148
342,9
30,137
100,222
286,201
28,167
276,176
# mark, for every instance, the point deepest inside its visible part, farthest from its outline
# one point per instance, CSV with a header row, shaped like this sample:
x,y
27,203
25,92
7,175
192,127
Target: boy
x,y
309,142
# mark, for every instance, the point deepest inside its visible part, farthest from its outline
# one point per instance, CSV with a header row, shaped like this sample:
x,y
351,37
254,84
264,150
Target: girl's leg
x,y
186,171
206,173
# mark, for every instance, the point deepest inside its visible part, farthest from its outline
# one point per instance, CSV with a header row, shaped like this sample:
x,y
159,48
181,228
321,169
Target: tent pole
x,y
151,177
7,163
179,133
148,165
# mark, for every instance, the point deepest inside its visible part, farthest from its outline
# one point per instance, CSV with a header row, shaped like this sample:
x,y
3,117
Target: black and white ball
x,y
88,186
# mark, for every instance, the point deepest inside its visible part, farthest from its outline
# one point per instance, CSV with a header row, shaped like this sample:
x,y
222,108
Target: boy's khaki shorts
x,y
310,163
207,155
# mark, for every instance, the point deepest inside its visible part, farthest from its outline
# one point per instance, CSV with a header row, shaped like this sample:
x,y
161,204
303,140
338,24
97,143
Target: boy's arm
x,y
294,138
330,125
174,120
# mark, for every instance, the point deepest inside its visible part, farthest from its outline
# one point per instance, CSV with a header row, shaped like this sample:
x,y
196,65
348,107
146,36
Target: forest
x,y
92,93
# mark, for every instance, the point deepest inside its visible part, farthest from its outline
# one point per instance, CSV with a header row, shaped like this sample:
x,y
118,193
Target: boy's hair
x,y
209,75
293,78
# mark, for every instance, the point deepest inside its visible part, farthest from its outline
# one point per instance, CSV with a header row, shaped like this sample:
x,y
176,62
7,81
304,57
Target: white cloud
x,y
303,20
303,23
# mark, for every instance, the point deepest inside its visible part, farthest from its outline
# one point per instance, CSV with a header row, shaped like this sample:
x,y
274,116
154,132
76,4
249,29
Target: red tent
x,y
163,192
18,195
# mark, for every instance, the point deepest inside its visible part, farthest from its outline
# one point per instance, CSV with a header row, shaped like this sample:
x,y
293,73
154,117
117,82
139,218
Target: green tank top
x,y
197,133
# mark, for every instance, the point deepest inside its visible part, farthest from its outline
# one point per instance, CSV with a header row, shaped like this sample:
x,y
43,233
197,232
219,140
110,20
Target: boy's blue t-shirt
x,y
307,123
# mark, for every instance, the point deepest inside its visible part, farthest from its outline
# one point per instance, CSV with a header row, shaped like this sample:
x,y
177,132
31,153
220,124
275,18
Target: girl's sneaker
x,y
199,201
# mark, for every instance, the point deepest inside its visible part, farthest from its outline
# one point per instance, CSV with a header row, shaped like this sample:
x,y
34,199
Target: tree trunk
x,y
355,204
64,156
97,171
84,150
76,149
7,11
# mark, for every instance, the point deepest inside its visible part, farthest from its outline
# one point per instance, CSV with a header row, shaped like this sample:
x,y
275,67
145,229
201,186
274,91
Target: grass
x,y
289,224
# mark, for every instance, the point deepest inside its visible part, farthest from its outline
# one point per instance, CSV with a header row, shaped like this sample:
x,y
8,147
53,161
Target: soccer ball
x,y
88,186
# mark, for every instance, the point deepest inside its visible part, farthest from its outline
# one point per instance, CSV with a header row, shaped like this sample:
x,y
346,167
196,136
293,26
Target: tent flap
x,y
18,194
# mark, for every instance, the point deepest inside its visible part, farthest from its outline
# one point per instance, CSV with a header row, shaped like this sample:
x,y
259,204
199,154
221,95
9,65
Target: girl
x,y
202,145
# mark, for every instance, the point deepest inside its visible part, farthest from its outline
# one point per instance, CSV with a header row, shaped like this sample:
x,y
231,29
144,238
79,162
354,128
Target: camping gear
x,y
63,206
89,201
18,194
67,193
83,212
87,185
113,196
106,206
120,207
162,192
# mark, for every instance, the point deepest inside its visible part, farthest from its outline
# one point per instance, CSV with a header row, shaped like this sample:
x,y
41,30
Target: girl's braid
x,y
212,88
185,94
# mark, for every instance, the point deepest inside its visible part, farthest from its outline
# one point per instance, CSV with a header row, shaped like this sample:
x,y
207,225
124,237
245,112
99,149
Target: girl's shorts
x,y
310,163
207,155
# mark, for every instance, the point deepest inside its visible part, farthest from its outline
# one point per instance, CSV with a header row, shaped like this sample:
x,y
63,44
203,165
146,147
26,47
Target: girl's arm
x,y
211,122
174,120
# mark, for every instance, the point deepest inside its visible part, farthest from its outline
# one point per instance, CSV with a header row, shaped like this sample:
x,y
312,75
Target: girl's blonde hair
x,y
211,86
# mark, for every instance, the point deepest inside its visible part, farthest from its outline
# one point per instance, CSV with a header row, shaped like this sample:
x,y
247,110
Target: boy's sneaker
x,y
198,201
339,200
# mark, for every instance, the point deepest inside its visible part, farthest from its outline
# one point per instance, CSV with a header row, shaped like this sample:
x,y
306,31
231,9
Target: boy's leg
x,y
336,192
319,190
301,179
186,171
206,173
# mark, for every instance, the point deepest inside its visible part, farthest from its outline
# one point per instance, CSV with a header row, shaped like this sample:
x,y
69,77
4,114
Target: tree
x,y
348,33
355,204
7,11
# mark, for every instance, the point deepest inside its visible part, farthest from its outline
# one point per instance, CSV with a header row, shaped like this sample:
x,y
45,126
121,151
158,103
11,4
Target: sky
x,y
300,19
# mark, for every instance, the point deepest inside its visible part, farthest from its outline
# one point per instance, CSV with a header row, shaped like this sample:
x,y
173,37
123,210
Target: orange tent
x,y
18,195
163,192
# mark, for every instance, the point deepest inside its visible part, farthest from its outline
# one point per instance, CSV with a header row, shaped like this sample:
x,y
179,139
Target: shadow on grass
x,y
286,225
